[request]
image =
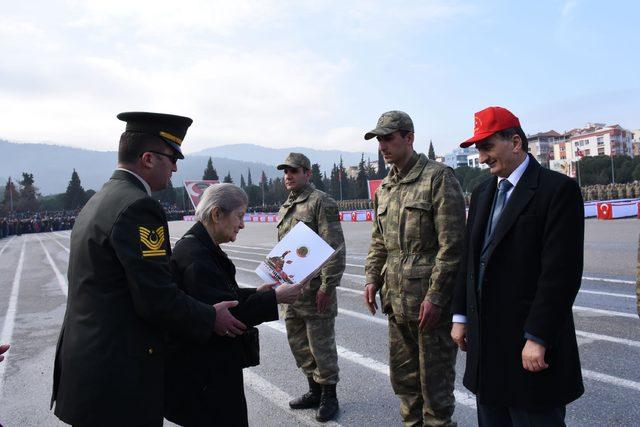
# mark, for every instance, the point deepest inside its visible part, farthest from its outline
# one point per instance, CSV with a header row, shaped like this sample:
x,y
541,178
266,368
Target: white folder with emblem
x,y
298,257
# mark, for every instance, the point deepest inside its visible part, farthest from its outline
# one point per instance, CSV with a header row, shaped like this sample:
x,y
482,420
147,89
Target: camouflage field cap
x,y
295,160
390,122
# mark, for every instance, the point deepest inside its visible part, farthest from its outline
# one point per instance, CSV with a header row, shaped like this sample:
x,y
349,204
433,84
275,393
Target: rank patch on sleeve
x,y
152,241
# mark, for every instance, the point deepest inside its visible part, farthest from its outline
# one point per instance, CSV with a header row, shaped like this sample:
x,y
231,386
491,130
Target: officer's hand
x,y
533,356
370,298
322,301
459,335
3,349
226,324
287,293
429,315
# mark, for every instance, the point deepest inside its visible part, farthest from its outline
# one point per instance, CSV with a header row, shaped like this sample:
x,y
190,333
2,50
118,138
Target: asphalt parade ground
x,y
33,288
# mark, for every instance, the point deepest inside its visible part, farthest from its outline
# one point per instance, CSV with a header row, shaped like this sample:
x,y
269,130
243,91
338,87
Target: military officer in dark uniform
x,y
109,359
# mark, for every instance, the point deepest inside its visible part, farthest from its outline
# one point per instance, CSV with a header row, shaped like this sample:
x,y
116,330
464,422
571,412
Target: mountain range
x,y
52,165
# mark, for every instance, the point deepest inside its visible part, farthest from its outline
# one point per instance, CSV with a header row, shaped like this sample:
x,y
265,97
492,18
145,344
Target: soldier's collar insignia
x,y
152,241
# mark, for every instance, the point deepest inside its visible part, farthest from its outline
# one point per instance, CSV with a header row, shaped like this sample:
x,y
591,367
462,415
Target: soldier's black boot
x,y
328,404
310,399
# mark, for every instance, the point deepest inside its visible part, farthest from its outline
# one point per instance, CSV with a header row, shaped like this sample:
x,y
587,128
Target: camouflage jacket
x,y
320,212
417,238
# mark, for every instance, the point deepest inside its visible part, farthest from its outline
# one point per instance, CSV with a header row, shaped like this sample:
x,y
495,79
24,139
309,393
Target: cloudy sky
x,y
312,73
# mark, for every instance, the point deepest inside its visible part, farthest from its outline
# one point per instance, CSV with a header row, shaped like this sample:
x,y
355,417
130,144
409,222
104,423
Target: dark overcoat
x,y
109,365
531,274
204,380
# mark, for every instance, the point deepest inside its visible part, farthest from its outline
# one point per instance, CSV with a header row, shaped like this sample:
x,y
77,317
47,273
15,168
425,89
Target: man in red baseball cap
x,y
520,273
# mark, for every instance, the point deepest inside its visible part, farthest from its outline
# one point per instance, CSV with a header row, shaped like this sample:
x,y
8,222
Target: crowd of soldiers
x,y
28,222
630,190
355,205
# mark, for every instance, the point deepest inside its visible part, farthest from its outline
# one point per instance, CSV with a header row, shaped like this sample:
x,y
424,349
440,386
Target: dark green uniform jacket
x,y
109,366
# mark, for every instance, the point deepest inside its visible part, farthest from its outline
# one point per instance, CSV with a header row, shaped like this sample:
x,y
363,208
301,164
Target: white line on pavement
x,y
605,312
383,321
600,279
61,280
6,244
610,379
600,337
10,317
462,397
596,279
360,276
60,244
609,294
278,397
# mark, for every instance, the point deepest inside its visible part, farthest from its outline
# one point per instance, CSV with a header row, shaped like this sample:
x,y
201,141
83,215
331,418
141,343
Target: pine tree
x,y
243,185
249,181
11,197
210,172
263,185
334,183
74,197
316,178
382,167
432,153
28,194
228,178
361,180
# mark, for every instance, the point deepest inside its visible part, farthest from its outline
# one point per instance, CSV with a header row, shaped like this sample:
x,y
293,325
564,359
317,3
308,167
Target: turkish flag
x,y
605,211
368,216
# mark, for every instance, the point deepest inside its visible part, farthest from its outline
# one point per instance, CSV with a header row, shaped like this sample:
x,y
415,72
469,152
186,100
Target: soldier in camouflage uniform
x,y
415,249
310,320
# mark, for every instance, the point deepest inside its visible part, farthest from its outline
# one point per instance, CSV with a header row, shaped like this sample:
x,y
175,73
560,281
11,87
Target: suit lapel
x,y
522,194
485,199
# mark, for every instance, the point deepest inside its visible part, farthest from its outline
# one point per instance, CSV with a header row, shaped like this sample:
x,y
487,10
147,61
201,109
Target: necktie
x,y
503,187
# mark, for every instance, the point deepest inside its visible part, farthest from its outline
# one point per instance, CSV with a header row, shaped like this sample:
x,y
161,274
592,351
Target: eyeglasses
x,y
173,157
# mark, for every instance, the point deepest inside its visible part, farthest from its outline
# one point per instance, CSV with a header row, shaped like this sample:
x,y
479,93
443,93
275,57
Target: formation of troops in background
x,y
630,190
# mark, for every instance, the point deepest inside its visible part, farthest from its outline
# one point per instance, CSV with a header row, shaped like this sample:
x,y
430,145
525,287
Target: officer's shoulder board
x,y
152,241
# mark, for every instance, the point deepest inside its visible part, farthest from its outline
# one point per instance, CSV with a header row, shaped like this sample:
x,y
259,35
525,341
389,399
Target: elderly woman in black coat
x,y
204,383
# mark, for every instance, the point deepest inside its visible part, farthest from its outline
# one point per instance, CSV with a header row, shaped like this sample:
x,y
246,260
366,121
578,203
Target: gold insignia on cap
x,y
170,137
152,241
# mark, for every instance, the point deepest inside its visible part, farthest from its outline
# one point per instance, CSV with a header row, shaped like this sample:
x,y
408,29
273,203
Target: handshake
x,y
227,325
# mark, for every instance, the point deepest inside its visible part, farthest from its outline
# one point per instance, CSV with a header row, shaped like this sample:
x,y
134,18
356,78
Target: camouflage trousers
x,y
422,366
313,344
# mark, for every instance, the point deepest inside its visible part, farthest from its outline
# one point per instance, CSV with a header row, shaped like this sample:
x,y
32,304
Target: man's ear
x,y
517,143
410,137
145,160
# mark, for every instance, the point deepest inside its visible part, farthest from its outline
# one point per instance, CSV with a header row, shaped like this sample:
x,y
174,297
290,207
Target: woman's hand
x,y
287,293
267,287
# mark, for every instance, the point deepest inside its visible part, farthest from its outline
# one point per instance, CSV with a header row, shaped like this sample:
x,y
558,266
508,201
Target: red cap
x,y
489,121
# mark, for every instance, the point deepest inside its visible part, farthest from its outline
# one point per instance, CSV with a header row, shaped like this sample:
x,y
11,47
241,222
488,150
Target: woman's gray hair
x,y
227,197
